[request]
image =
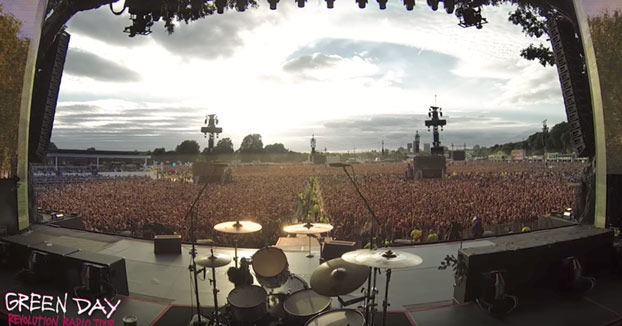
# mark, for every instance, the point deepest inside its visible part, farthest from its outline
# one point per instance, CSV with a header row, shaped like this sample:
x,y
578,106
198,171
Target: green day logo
x,y
28,309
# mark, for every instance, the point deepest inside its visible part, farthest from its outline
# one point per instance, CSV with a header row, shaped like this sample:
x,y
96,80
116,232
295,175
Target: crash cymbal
x,y
213,260
308,228
382,258
338,277
238,227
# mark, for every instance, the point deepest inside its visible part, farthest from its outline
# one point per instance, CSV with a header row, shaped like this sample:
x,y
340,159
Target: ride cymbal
x,y
388,259
338,277
308,228
237,227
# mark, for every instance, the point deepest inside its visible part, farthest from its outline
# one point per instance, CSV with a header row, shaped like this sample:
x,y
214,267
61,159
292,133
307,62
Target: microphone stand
x,y
374,221
193,266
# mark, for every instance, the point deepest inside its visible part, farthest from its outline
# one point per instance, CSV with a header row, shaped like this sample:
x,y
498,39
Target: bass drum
x,y
271,267
338,317
247,303
303,305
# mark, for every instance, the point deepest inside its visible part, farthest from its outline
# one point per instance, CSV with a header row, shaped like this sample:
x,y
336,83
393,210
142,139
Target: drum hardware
x,y
377,260
309,229
213,261
351,301
341,317
237,227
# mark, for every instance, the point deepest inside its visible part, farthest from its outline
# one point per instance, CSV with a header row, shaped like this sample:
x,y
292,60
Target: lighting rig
x,y
211,120
144,13
435,122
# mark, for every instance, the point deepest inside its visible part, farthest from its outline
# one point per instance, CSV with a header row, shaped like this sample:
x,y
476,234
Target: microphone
x,y
338,165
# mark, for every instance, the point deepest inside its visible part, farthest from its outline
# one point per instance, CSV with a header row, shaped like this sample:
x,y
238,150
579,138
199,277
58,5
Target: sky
x,y
351,77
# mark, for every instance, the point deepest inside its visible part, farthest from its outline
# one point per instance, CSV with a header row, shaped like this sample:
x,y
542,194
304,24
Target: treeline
x,y
558,139
251,150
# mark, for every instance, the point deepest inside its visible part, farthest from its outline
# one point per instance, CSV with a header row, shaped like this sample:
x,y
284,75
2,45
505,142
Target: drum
x,y
303,305
271,267
338,317
277,296
247,303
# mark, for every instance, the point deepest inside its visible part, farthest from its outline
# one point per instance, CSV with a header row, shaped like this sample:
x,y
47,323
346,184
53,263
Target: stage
x,y
160,285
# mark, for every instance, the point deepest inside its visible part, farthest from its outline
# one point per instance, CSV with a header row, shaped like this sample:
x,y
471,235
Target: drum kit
x,y
285,299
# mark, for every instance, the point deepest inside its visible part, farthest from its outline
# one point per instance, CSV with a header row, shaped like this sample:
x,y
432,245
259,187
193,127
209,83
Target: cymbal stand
x,y
371,308
385,303
235,252
216,319
309,255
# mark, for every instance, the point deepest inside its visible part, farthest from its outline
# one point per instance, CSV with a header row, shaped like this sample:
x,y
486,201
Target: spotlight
x,y
450,5
141,24
362,3
410,4
470,16
220,6
382,4
330,4
241,5
433,4
301,3
272,5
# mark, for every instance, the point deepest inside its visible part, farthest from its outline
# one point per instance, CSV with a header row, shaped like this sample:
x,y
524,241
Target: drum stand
x,y
235,252
215,320
310,255
370,305
385,303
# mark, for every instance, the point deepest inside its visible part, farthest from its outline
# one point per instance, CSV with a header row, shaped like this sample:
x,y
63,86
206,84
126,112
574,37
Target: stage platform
x,y
160,285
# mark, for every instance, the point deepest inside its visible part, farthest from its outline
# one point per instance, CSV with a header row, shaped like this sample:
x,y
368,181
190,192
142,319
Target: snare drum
x,y
303,305
248,303
338,317
271,267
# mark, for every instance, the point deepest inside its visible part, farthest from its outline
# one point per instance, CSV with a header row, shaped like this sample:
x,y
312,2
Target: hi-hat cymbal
x,y
382,258
338,277
238,227
308,228
213,260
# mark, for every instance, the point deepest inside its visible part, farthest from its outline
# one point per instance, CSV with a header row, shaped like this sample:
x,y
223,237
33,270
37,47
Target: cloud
x,y
86,64
315,61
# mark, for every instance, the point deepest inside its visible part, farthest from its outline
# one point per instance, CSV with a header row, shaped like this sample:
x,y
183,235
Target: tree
x,y
188,147
224,146
159,151
251,144
52,147
276,148
91,149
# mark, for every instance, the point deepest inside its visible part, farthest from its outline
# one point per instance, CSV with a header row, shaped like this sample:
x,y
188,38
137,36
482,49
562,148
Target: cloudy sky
x,y
352,77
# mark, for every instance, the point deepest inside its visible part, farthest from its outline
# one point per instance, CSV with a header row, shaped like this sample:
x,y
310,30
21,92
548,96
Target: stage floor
x,y
424,293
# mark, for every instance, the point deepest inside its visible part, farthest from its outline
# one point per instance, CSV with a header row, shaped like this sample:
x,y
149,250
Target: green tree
x,y
188,147
276,148
159,151
251,144
13,55
91,149
224,146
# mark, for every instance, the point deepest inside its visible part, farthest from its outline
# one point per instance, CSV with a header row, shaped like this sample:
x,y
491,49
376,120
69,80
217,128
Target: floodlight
x,y
220,6
433,4
382,4
410,4
362,3
330,4
272,5
301,3
450,5
241,5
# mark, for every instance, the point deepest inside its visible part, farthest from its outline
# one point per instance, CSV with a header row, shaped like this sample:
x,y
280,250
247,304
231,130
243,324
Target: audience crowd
x,y
498,193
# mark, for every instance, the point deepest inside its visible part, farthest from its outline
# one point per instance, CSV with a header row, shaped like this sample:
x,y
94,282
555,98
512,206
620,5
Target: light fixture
x,y
272,7
362,3
330,4
410,4
382,4
433,4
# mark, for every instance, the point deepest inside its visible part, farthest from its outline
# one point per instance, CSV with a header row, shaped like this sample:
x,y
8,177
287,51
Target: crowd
x,y
496,192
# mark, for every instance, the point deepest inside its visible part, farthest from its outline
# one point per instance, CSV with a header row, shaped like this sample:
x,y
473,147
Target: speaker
x,y
20,246
167,244
95,270
45,95
8,205
335,248
567,50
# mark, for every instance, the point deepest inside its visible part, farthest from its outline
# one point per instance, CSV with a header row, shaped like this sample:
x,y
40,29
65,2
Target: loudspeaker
x,y
335,248
167,244
8,205
20,246
45,95
567,50
107,269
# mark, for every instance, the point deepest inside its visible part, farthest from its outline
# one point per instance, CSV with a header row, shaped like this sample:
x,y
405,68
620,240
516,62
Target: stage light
x,y
382,4
272,7
141,24
449,5
433,4
330,4
220,6
470,15
241,6
301,3
410,4
362,3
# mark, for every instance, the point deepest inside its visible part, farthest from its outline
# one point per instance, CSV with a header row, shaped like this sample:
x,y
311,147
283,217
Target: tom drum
x,y
247,303
271,267
338,317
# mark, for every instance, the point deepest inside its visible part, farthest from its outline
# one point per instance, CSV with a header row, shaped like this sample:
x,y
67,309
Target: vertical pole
x,y
385,303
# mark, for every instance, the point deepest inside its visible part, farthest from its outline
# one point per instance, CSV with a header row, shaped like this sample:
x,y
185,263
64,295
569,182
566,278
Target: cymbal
x,y
338,277
382,258
238,227
213,260
308,228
